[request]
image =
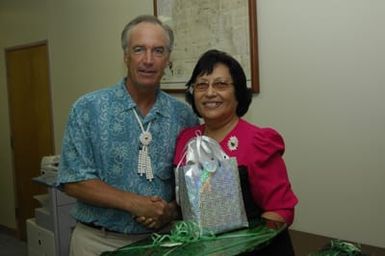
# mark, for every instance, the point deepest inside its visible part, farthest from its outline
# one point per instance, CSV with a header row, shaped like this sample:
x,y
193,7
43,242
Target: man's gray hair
x,y
126,33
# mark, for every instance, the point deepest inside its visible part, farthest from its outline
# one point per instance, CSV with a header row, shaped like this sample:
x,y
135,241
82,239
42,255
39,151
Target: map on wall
x,y
202,25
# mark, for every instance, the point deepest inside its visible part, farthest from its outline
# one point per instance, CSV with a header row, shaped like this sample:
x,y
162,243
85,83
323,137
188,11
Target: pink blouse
x,y
260,150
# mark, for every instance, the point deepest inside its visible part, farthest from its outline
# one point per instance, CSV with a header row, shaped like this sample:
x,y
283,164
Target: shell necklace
x,y
144,160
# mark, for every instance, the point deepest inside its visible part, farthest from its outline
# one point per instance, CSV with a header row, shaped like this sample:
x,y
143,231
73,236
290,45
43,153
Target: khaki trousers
x,y
88,241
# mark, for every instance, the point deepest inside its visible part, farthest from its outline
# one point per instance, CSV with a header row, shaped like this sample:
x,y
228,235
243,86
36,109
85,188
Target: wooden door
x,y
30,112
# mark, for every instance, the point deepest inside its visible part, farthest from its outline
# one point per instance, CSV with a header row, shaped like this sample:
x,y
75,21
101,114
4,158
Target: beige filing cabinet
x,y
49,232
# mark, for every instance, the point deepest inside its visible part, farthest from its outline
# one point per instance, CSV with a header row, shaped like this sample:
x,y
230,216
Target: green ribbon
x,y
338,248
182,232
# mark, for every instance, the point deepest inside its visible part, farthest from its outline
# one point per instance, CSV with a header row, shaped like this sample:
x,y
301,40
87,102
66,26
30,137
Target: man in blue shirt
x,y
118,147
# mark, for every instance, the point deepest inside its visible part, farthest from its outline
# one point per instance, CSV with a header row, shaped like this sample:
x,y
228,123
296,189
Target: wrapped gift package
x,y
208,188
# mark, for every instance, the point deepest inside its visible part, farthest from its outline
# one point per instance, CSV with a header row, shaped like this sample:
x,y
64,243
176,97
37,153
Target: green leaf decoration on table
x,y
339,248
187,239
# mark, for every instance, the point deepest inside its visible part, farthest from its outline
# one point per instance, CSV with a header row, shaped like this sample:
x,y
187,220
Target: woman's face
x,y
214,95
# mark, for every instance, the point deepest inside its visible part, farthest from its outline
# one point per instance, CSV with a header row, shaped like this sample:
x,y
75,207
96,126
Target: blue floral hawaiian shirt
x,y
101,141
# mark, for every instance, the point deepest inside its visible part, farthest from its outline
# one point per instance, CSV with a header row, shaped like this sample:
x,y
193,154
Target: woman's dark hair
x,y
206,64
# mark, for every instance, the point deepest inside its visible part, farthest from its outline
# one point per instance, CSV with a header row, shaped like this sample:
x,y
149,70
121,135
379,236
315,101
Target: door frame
x,y
19,226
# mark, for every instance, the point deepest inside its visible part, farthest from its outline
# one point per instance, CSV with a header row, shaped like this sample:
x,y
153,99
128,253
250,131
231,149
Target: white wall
x,y
321,67
323,86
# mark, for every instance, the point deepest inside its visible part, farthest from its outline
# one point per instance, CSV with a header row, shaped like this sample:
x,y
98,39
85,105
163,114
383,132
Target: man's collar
x,y
161,106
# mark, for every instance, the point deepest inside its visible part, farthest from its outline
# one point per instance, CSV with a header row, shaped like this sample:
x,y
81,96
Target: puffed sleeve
x,y
268,176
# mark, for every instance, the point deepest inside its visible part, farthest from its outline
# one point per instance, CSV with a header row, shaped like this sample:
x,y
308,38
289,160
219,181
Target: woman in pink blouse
x,y
218,93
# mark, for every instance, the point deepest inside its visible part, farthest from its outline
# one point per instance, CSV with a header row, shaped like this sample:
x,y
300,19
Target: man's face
x,y
147,56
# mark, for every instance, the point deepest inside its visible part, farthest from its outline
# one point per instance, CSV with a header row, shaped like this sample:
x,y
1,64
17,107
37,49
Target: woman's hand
x,y
170,213
273,220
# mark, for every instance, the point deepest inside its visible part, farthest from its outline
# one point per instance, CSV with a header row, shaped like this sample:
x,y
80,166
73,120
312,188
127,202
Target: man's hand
x,y
168,213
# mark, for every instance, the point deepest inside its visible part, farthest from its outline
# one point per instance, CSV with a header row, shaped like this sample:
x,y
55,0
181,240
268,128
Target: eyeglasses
x,y
156,51
218,85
